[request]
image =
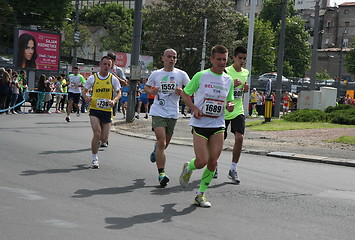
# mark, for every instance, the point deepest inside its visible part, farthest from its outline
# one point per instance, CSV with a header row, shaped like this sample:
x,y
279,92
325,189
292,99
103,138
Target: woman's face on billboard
x,y
29,50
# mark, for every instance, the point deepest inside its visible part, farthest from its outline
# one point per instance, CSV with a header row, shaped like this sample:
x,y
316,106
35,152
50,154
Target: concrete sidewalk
x,y
141,128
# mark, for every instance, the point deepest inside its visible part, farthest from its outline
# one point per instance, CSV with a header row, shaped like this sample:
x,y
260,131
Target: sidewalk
x,y
141,128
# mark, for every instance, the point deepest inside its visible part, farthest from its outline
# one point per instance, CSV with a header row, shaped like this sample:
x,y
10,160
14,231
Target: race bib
x,y
102,103
168,87
238,93
212,107
125,94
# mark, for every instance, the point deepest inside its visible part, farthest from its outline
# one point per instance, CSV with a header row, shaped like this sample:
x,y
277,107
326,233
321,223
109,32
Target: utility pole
x,y
203,57
250,55
280,59
312,85
337,83
76,34
135,75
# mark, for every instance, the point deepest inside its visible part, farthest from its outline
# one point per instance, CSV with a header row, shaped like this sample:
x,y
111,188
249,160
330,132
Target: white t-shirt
x,y
90,82
166,103
212,91
74,81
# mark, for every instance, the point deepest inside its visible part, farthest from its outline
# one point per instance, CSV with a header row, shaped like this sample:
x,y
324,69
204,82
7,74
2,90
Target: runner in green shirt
x,y
236,118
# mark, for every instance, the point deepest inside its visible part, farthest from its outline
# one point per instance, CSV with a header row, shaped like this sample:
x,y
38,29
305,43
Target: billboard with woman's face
x,y
37,50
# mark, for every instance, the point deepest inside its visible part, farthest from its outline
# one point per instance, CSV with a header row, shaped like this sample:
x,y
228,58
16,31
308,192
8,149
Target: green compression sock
x,y
207,177
191,165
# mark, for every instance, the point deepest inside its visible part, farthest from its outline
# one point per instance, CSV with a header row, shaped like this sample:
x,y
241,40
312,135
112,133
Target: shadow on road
x,y
166,216
175,189
67,151
82,193
51,171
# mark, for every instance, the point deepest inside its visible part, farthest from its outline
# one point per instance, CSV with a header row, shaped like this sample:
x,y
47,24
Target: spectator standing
x,y
15,90
286,100
58,89
5,82
65,90
41,87
143,99
22,81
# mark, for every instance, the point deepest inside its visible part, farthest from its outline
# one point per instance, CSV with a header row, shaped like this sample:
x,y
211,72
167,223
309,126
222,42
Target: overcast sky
x,y
339,2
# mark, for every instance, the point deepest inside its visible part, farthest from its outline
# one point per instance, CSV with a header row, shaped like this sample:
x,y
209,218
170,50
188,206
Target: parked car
x,y
273,75
305,80
330,82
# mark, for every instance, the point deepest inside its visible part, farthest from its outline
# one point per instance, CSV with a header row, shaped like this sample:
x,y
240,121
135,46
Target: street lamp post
x,y
76,34
280,59
189,50
340,62
314,48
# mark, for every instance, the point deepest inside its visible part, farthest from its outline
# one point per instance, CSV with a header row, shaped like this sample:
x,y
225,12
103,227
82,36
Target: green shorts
x,y
168,123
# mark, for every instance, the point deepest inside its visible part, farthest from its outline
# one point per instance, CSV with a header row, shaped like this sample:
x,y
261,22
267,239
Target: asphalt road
x,y
48,190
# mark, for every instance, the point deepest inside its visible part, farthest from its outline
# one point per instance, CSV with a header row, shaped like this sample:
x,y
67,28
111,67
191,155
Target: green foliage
x,y
344,139
68,38
350,60
271,11
338,107
344,116
323,75
7,23
117,22
264,54
297,47
305,115
297,52
48,15
179,24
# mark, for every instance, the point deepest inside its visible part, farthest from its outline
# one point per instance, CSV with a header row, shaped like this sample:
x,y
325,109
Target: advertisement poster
x,y
124,60
37,50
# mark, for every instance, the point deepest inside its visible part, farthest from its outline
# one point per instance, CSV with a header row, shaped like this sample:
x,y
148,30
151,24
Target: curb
x,y
287,155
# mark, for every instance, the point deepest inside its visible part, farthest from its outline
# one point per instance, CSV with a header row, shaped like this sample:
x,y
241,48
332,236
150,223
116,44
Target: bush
x,y
338,107
306,115
344,116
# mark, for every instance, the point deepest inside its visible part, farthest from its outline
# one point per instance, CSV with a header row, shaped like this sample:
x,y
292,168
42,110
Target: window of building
x,y
346,11
329,23
327,41
345,43
347,24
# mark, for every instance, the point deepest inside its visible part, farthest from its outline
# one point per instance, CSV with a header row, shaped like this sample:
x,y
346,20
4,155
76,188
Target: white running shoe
x,y
200,200
185,175
95,163
234,176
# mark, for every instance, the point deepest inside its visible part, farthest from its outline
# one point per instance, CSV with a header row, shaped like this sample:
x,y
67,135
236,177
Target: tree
x,y
179,24
350,60
48,15
268,12
297,48
117,22
264,54
7,20
68,38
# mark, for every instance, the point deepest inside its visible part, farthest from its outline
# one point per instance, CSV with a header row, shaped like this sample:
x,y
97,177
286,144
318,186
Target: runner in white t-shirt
x,y
166,84
213,90
75,82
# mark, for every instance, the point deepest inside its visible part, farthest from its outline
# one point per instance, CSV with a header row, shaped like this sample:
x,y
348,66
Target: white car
x,y
266,76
